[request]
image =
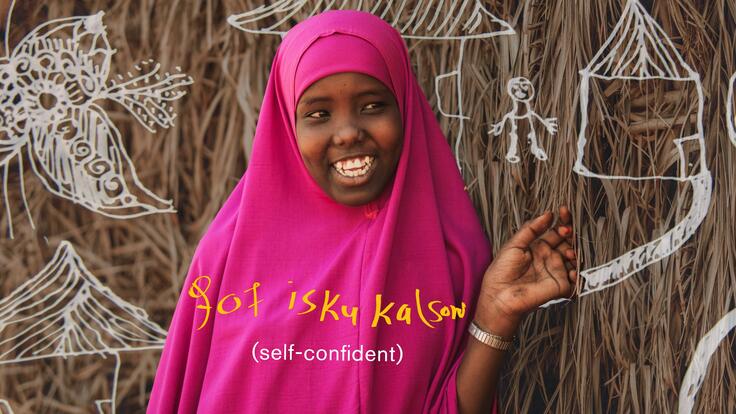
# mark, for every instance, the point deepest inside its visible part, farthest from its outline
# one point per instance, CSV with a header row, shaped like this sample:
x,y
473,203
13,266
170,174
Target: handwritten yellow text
x,y
226,305
403,314
328,305
435,309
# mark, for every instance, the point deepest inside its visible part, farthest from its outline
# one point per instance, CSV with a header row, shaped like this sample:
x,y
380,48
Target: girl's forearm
x,y
480,368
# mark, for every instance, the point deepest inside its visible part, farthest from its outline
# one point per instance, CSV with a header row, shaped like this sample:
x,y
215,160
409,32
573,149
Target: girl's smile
x,y
350,133
355,171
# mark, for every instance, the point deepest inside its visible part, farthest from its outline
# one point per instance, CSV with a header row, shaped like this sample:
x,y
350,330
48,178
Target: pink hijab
x,y
280,229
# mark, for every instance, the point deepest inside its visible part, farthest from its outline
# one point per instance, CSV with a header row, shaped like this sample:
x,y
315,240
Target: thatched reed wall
x,y
622,350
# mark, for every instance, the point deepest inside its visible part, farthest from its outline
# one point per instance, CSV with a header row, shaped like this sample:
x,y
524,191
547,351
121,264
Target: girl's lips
x,y
353,181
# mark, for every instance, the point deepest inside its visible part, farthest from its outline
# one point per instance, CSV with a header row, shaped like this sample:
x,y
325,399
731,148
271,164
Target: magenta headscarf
x,y
280,229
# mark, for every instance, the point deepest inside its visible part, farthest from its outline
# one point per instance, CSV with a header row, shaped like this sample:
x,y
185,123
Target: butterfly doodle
x,y
51,87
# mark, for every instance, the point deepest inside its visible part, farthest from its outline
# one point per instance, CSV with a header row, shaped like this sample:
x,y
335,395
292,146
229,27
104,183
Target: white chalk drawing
x,y
64,311
729,110
5,407
52,86
522,92
445,20
707,346
639,49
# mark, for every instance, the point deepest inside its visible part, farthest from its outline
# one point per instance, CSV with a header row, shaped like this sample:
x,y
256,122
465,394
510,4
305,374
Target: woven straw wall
x,y
623,350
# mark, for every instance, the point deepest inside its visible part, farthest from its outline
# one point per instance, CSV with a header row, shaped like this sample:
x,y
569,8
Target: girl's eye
x,y
375,105
316,115
310,115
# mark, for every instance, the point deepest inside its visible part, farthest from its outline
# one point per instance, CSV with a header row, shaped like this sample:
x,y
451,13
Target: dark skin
x,y
349,114
537,264
344,115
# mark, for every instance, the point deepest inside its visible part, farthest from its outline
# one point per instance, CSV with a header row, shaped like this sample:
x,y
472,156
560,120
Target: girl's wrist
x,y
491,319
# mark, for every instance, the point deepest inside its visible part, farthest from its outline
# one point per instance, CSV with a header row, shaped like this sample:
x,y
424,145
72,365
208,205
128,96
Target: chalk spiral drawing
x,y
729,110
51,85
522,92
424,20
707,346
64,311
639,49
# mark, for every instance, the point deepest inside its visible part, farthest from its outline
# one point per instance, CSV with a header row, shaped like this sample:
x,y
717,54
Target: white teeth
x,y
348,168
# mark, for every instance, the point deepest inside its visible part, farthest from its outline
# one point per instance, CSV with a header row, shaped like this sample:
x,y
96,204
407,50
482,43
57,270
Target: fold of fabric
x,y
420,244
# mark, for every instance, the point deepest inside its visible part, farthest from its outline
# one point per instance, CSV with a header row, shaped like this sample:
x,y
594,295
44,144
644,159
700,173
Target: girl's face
x,y
349,132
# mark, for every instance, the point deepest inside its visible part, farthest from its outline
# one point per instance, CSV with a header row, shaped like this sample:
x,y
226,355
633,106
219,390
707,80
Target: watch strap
x,y
494,341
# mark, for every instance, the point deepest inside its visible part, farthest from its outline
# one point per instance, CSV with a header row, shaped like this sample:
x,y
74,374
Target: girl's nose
x,y
348,134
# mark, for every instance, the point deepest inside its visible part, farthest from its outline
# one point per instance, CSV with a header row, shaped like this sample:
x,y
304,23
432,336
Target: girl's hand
x,y
535,266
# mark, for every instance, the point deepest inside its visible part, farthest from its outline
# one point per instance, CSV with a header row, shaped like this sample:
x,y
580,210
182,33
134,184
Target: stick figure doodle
x,y
522,92
51,85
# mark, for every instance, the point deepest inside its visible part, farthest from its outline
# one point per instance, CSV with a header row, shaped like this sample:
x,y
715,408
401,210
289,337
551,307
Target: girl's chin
x,y
356,196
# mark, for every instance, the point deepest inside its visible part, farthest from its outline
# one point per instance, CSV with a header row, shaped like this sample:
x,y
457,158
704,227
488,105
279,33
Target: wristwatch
x,y
494,341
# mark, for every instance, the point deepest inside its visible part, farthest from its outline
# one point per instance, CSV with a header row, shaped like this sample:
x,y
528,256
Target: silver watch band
x,y
494,341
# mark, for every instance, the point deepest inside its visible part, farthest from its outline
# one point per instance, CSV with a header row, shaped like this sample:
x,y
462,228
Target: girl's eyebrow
x,y
317,99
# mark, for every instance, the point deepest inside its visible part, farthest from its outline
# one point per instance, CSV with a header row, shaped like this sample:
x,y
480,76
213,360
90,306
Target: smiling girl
x,y
349,132
353,188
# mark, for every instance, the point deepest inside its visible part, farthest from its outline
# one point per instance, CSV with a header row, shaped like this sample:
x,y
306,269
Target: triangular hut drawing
x,y
64,311
640,63
444,20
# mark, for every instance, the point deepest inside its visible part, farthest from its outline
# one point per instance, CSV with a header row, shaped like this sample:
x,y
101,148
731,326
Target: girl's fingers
x,y
563,247
565,215
567,251
556,283
572,275
531,231
569,260
559,266
542,249
564,228
567,254
553,237
539,228
553,278
556,273
565,232
550,262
